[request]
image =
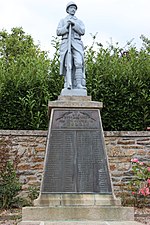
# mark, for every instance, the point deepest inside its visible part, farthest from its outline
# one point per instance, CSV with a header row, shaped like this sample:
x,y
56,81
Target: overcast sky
x,y
116,20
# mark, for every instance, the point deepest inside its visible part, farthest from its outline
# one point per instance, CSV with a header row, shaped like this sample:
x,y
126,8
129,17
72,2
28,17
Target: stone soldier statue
x,y
71,50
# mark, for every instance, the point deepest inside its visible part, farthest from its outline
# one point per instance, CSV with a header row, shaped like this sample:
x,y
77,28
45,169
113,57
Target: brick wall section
x,y
27,149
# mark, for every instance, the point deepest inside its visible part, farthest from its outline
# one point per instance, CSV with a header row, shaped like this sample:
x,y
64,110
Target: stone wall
x,y
27,149
121,148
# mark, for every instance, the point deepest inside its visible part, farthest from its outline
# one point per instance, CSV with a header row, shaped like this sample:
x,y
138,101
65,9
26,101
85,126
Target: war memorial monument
x,y
76,187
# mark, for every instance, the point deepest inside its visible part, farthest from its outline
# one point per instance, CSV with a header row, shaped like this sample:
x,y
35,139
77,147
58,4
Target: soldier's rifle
x,y
69,62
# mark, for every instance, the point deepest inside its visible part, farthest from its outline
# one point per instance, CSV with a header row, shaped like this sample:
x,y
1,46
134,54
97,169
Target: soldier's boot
x,y
78,76
65,84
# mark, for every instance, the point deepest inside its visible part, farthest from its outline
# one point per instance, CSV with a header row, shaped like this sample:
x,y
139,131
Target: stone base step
x,y
72,199
78,213
73,92
80,223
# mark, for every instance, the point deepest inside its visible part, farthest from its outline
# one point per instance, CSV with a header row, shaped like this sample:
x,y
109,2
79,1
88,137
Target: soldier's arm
x,y
62,28
79,27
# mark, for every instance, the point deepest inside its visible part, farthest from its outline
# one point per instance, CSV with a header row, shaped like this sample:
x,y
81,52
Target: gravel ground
x,y
142,215
13,217
10,217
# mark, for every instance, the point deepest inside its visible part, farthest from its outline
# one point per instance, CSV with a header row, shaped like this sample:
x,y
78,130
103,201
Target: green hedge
x,y
121,80
29,78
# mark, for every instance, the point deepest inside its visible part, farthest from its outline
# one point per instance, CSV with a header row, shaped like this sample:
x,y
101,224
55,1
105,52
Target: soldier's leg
x,y
78,62
67,78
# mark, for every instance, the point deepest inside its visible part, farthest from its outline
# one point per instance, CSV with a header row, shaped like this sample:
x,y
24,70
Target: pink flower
x,y
148,169
144,191
141,163
135,160
133,193
148,181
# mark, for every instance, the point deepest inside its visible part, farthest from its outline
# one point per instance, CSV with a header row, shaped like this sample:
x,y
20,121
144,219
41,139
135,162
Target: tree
x,y
26,82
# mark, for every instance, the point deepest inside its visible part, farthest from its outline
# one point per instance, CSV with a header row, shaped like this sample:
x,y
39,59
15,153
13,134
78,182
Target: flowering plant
x,y
140,182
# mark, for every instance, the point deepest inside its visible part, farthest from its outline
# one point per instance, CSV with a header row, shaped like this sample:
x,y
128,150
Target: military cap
x,y
69,4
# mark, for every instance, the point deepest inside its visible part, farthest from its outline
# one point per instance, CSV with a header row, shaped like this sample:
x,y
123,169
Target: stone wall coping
x,y
43,133
127,133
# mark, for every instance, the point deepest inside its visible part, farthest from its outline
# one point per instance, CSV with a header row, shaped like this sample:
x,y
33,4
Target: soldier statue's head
x,y
71,4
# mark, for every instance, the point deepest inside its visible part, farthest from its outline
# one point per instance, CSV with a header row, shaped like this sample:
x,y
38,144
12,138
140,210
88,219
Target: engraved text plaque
x,y
76,160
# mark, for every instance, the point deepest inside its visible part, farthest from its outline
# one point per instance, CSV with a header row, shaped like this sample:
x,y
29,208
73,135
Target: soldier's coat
x,y
76,43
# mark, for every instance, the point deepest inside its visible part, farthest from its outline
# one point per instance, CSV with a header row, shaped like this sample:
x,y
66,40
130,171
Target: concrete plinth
x,y
78,213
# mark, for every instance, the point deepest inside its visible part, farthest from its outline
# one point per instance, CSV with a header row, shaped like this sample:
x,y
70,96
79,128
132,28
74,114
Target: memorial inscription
x,y
76,159
75,120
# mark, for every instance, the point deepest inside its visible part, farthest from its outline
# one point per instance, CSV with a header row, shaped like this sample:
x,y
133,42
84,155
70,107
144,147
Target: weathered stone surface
x,y
40,149
24,166
37,166
126,141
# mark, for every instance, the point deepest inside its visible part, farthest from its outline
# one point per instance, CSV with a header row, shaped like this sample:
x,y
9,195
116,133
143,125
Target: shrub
x,y
139,185
9,187
32,194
